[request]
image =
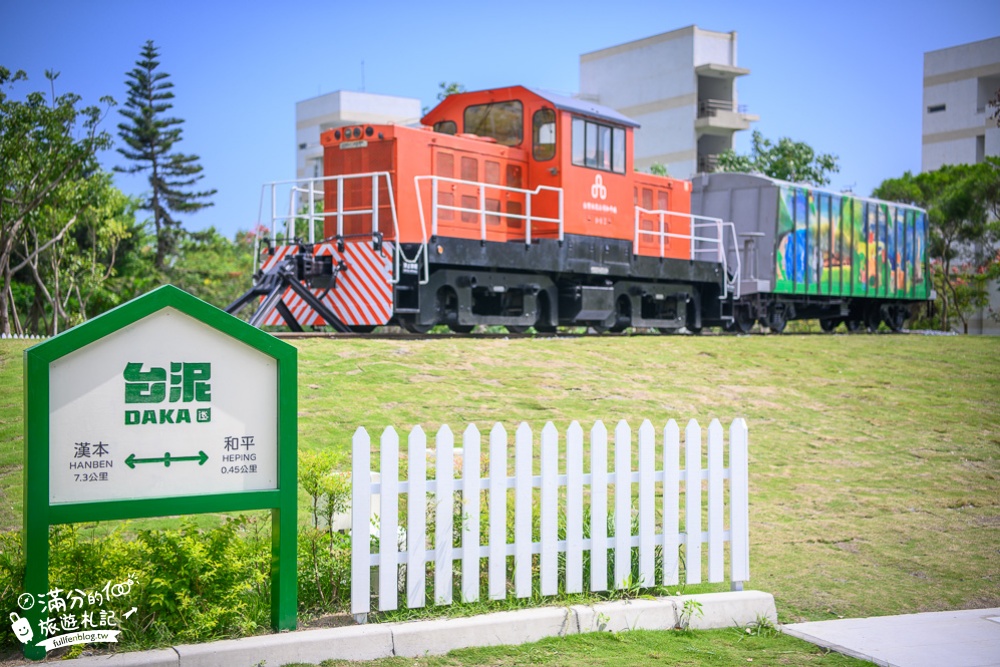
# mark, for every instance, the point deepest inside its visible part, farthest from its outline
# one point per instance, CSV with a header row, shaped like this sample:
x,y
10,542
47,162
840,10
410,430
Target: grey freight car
x,y
811,253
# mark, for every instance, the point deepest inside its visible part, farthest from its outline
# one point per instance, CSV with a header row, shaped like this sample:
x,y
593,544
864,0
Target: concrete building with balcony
x,y
681,87
957,124
343,107
958,128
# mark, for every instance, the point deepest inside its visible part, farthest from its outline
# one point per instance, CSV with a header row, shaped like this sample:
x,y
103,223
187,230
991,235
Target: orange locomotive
x,y
512,207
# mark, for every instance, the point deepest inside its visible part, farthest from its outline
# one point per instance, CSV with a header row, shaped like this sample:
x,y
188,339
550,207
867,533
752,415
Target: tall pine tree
x,y
150,136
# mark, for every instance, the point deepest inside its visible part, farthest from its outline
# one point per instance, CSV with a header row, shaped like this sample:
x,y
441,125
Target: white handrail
x,y
309,186
719,250
481,211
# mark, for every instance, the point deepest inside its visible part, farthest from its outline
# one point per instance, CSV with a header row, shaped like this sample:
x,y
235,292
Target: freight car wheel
x,y
895,317
828,324
853,326
776,318
873,317
743,319
461,328
517,328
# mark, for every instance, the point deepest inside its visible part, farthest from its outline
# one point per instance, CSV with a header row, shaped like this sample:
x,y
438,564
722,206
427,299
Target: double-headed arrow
x,y
166,459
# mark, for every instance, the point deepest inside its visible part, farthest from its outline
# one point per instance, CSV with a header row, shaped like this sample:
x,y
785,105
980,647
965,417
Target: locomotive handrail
x,y
732,284
308,186
481,211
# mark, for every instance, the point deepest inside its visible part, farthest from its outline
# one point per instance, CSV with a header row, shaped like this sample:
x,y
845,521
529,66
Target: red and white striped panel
x,y
363,295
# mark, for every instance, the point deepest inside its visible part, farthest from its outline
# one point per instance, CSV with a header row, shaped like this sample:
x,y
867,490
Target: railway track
x,y
403,335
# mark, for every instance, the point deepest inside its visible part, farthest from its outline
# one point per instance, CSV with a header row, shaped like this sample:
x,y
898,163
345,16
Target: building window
x,y
598,146
543,142
503,121
935,108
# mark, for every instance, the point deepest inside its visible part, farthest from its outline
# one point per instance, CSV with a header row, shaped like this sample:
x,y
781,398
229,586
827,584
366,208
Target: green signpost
x,y
163,406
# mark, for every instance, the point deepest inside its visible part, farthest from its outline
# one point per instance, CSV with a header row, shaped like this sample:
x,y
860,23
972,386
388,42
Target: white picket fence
x,y
421,549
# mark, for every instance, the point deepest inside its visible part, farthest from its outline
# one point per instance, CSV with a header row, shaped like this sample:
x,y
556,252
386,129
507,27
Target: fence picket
x,y
416,520
623,504
444,511
548,561
498,513
470,514
647,515
523,510
360,511
716,527
599,507
692,502
739,505
671,503
574,509
388,543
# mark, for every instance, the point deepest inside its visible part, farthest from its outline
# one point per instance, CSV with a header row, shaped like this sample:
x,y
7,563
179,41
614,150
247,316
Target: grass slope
x,y
874,459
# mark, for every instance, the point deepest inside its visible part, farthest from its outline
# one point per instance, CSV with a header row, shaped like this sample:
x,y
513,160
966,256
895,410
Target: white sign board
x,y
166,406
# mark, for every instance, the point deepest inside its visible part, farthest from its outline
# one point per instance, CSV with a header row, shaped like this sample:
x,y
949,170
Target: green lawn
x,y
873,459
708,648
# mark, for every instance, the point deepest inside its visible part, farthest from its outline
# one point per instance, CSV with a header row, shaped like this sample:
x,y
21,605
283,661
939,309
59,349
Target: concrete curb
x,y
438,636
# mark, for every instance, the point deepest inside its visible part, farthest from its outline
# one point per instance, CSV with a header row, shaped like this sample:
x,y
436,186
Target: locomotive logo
x,y
598,190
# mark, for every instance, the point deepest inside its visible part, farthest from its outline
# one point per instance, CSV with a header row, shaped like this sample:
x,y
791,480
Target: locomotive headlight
x,y
369,131
336,134
357,133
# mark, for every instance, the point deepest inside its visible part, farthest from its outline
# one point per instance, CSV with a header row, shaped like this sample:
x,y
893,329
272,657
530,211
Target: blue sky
x,y
844,77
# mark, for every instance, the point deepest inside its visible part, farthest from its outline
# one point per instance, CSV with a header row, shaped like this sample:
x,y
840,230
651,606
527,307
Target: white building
x,y
681,87
343,107
958,82
957,125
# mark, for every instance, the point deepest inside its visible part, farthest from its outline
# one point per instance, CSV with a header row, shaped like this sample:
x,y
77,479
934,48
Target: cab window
x,y
503,121
446,127
543,134
598,146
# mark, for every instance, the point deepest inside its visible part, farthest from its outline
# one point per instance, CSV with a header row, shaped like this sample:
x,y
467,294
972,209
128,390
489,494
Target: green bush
x,y
191,584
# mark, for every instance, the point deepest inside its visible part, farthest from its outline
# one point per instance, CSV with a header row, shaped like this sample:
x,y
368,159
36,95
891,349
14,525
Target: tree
x,y
150,137
963,203
447,89
786,160
44,146
212,267
95,264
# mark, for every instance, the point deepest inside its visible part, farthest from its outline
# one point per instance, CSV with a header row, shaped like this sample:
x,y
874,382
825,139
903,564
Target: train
x,y
521,208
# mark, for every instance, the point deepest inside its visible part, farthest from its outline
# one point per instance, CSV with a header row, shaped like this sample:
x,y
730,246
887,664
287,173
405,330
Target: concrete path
x,y
435,637
953,638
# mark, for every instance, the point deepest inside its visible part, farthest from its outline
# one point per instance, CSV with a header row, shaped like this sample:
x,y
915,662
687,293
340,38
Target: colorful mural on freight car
x,y
839,245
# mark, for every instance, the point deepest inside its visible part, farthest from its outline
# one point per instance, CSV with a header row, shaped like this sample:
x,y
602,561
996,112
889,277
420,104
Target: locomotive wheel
x,y
623,315
828,324
461,328
363,329
895,317
517,328
666,331
410,324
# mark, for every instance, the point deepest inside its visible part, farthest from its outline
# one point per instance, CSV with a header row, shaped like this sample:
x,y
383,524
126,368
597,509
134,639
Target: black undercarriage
x,y
580,281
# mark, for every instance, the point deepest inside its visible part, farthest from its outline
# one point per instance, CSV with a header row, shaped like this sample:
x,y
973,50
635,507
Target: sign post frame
x,y
40,514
